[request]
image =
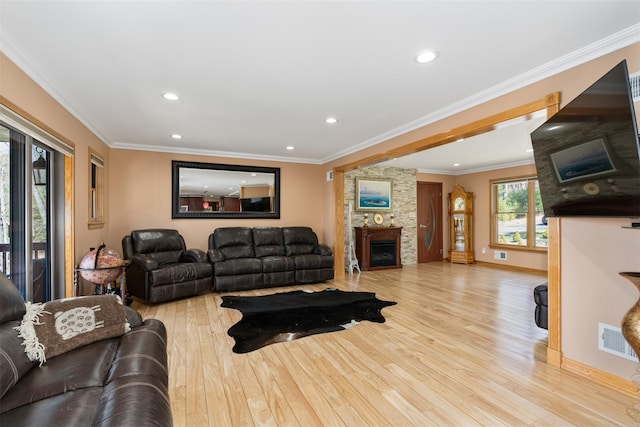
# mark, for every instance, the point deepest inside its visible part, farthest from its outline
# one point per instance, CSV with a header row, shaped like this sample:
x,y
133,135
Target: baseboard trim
x,y
512,268
599,376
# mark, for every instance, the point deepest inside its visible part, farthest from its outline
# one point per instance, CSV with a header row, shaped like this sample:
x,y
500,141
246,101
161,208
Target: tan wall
x,y
20,93
141,196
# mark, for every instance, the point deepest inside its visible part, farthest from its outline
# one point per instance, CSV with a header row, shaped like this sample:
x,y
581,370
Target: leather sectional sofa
x,y
238,258
117,381
260,257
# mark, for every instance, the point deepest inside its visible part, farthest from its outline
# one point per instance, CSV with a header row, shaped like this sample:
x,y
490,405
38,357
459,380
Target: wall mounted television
x,y
588,154
256,204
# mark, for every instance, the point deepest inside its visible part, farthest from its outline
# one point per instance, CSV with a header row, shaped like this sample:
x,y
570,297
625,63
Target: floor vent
x,y
611,340
634,80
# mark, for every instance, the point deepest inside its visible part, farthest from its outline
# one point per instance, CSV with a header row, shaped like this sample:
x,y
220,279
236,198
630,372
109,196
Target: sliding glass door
x,y
26,184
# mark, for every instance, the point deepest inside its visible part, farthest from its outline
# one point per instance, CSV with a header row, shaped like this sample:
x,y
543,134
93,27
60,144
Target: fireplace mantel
x,y
364,238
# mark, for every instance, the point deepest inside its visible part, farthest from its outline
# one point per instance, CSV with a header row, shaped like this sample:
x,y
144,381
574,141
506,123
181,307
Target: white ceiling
x,y
256,76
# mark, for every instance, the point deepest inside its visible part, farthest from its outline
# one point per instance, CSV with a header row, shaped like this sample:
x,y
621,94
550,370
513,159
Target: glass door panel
x,y
40,213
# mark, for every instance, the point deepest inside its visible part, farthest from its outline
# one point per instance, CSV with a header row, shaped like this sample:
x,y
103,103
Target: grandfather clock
x,y
461,226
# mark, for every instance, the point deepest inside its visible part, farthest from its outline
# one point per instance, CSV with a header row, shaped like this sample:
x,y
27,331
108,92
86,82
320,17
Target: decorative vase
x,y
631,320
631,332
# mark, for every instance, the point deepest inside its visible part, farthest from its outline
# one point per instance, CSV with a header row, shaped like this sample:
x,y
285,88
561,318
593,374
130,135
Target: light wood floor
x,y
459,349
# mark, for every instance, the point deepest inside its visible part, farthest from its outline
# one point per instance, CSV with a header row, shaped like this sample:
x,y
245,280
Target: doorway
x,y
429,216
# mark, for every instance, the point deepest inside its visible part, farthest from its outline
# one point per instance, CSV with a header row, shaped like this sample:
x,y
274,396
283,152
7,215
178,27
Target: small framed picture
x,y
373,194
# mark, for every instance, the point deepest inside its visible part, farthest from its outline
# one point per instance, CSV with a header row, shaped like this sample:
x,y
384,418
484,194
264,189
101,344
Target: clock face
x,y
378,218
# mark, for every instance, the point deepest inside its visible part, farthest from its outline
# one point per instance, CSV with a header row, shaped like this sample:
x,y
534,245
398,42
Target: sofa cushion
x,y
156,240
73,408
167,257
14,362
58,326
81,368
11,304
272,264
311,261
238,266
233,242
179,273
268,241
299,240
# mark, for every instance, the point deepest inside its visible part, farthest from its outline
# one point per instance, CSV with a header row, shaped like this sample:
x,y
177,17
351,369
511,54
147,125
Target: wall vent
x,y
611,340
634,81
501,255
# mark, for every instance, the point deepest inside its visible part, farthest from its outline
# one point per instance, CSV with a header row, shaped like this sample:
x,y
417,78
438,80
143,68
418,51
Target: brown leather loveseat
x,y
116,381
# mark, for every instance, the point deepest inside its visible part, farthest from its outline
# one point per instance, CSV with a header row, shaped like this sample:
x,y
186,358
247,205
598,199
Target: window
x,y
517,218
96,190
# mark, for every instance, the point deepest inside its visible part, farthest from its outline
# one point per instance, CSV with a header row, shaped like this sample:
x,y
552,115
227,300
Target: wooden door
x,y
429,221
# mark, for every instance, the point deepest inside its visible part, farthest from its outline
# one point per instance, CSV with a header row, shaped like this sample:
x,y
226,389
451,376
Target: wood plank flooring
x,y
459,349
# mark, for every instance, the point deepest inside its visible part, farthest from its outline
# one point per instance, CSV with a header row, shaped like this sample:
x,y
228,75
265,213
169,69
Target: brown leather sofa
x,y
260,257
161,268
120,381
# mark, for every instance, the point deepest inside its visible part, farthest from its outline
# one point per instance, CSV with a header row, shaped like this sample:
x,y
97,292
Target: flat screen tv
x,y
256,204
588,155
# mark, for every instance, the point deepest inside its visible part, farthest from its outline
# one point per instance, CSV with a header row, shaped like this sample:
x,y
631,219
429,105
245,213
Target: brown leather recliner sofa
x,y
117,381
260,257
161,268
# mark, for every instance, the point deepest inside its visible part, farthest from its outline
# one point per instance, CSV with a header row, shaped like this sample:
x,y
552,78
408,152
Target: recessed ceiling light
x,y
529,150
176,136
331,120
426,56
170,96
291,147
455,165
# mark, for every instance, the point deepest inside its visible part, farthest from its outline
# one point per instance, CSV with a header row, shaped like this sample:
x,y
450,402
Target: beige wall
x,y
594,251
20,93
141,196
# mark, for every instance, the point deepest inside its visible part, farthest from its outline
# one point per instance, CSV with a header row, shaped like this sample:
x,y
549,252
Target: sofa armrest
x,y
133,317
322,249
215,255
194,255
144,262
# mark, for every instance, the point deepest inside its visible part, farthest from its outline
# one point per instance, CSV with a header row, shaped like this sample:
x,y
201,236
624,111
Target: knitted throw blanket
x,y
56,327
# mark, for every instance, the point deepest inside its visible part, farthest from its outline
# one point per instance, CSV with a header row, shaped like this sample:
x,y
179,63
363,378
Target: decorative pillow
x,y
55,327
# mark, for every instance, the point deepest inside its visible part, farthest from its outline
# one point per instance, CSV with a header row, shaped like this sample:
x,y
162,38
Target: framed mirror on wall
x,y
214,190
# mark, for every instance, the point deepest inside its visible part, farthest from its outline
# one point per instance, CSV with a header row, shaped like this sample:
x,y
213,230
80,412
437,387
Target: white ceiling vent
x,y
634,81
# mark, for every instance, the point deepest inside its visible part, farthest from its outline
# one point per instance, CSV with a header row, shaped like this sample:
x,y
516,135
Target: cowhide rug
x,y
288,316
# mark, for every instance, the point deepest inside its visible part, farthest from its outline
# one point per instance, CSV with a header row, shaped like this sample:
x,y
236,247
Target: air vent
x,y
611,340
634,81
